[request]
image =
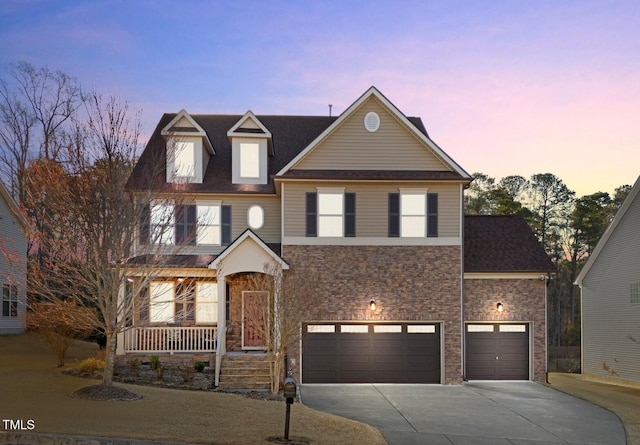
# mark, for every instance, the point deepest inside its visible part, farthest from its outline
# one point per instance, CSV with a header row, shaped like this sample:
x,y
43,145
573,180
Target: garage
x,y
497,351
337,352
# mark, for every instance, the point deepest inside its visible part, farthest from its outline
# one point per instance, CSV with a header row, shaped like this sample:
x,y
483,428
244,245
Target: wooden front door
x,y
255,312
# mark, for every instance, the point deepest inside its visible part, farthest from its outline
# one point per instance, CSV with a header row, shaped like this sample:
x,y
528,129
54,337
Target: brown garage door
x,y
497,351
371,353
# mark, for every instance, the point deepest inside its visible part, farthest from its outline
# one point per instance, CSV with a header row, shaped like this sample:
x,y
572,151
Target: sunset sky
x,y
504,87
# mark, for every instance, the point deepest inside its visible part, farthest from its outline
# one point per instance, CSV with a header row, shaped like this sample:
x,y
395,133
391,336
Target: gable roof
x,y
290,136
13,207
195,130
248,235
631,197
502,244
373,92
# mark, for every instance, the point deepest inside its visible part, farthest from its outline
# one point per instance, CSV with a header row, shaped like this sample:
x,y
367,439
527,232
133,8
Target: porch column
x,y
222,325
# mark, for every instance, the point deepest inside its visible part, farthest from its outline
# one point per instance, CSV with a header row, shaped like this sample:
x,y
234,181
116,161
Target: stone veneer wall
x,y
523,300
407,283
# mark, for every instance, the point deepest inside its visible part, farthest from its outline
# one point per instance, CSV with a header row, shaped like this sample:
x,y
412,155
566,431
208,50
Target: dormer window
x,y
185,160
251,147
188,149
249,160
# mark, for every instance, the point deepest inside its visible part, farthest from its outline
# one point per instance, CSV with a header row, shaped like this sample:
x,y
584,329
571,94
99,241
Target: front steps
x,y
244,371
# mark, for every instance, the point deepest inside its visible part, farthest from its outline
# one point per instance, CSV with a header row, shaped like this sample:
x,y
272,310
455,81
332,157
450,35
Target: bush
x,y
91,365
198,366
154,362
134,366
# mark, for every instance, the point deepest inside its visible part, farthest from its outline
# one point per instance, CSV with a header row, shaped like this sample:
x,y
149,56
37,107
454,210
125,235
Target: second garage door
x,y
497,351
371,353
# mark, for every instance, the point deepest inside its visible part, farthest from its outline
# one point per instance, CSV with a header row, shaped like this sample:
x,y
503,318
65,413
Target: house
x,y
13,265
411,290
610,297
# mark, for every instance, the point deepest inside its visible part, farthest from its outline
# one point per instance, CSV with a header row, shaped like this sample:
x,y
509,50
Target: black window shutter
x,y
226,225
394,214
185,224
432,214
144,212
312,214
349,214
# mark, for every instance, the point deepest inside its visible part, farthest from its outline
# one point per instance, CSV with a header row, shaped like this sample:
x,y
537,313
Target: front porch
x,y
170,339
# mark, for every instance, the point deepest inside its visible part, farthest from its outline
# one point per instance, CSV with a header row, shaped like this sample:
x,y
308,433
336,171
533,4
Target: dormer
x,y
251,146
188,149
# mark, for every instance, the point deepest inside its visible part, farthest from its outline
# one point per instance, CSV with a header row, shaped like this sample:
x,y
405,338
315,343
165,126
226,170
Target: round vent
x,y
372,121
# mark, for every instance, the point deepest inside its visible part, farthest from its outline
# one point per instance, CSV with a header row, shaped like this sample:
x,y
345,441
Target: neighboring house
x,y
371,205
13,265
610,297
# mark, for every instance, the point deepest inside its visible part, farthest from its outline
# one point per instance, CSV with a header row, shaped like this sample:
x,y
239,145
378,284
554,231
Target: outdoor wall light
x,y
499,307
372,305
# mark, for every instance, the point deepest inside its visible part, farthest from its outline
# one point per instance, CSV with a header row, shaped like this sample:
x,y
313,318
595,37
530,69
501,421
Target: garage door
x,y
497,351
371,353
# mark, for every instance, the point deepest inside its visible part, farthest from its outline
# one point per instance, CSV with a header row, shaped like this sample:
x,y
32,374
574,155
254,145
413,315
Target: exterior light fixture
x,y
499,307
372,305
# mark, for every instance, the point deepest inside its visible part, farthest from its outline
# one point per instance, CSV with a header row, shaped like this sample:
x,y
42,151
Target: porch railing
x,y
156,339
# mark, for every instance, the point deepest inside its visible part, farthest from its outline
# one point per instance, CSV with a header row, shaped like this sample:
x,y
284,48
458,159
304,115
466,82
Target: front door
x,y
255,313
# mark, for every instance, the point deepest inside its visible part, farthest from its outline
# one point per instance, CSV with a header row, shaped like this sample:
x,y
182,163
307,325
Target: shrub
x,y
188,371
154,362
134,366
91,365
198,366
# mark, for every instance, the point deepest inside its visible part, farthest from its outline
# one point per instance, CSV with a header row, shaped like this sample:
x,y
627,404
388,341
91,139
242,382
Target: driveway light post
x,y
289,392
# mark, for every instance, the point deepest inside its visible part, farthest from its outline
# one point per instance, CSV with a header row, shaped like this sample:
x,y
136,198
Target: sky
x,y
509,87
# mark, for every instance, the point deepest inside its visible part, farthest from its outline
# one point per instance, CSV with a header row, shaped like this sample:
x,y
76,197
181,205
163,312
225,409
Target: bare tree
x,y
290,299
89,223
36,107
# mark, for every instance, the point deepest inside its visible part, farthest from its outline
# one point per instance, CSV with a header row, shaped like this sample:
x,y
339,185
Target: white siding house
x,y
13,265
610,290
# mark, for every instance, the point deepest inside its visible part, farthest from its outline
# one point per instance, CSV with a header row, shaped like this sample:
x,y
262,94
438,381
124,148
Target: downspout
x,y
546,328
462,311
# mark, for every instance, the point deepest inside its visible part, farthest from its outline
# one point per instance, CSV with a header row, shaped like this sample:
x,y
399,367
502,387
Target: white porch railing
x,y
154,339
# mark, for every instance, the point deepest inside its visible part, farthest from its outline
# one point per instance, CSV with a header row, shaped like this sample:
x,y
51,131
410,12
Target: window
x,y
9,300
184,300
249,160
207,302
185,159
185,228
162,230
161,302
255,217
209,224
635,293
331,213
413,213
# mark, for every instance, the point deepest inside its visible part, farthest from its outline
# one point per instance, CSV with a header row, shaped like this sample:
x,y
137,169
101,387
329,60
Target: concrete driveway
x,y
476,413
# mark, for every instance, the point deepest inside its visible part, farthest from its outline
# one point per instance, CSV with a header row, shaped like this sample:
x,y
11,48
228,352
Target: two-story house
x,y
13,265
411,290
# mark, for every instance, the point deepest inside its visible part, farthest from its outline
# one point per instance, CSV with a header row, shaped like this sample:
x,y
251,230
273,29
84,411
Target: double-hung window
x,y
9,300
185,160
161,302
161,223
209,224
413,214
330,213
207,302
249,160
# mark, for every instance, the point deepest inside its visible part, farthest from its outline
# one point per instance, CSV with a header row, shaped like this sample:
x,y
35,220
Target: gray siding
x,y
372,206
352,147
609,317
13,244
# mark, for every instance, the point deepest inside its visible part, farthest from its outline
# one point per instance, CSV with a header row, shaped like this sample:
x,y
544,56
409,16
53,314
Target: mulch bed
x,y
106,394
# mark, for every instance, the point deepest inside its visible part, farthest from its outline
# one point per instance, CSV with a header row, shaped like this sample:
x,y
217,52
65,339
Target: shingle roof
x,y
502,244
290,135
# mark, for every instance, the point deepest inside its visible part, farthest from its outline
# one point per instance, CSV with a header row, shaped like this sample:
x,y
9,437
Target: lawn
x,y
33,388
